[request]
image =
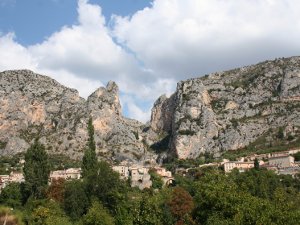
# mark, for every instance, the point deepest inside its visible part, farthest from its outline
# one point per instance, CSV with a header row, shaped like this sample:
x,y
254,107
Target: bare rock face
x,y
32,106
116,137
229,110
215,113
162,114
35,106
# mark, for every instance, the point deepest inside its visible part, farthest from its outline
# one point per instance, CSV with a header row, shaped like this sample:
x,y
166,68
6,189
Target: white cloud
x,y
14,55
84,56
134,110
181,39
159,45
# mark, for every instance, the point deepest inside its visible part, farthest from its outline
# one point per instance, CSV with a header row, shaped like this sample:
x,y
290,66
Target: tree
x,y
157,182
148,210
222,199
124,214
105,184
280,134
98,215
181,205
89,159
56,190
256,164
36,171
297,156
48,214
75,199
11,195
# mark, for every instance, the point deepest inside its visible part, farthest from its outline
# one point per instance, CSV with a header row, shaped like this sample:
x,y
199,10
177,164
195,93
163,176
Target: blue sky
x,y
33,20
146,47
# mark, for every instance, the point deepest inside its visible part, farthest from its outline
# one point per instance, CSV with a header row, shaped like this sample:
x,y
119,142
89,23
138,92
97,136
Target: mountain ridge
x,y
34,105
231,109
215,113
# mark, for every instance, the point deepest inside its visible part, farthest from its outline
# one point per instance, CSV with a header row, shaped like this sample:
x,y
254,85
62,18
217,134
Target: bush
x,y
11,195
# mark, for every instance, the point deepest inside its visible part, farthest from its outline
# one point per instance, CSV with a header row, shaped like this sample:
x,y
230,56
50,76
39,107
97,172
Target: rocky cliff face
x,y
33,105
215,113
229,110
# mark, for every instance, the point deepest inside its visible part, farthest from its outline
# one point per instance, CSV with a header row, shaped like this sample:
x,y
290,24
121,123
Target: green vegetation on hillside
x,y
36,171
203,196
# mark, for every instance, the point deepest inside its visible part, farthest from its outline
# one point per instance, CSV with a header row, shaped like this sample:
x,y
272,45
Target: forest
x,y
203,196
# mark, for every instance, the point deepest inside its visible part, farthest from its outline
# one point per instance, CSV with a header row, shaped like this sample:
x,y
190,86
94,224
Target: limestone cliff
x,y
215,113
229,110
33,105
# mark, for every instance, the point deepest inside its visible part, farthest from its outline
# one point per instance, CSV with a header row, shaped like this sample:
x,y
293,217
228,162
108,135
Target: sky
x,y
145,46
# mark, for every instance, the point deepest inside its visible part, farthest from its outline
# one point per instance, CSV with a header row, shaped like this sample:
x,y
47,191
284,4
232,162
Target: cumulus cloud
x,y
181,39
84,56
137,109
14,55
148,52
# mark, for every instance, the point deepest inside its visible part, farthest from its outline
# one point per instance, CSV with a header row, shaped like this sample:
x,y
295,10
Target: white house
x,y
282,161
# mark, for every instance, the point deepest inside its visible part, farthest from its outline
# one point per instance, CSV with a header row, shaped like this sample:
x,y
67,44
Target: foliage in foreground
x,y
205,196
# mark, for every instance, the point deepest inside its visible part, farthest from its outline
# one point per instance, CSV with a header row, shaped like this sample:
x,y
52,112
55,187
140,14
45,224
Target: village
x,y
139,175
279,162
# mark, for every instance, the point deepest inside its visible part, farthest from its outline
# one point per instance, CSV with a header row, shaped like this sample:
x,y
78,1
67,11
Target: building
x,y
289,171
13,177
68,174
165,175
122,170
282,161
16,177
140,177
278,154
241,166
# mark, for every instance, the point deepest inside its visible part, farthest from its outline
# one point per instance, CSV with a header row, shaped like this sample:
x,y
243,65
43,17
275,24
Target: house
x,y
13,177
16,177
122,170
278,154
71,173
140,177
241,166
282,161
289,171
165,175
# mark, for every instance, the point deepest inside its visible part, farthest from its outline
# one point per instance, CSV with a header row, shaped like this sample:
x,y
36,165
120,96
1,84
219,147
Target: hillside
x,y
251,106
233,109
36,106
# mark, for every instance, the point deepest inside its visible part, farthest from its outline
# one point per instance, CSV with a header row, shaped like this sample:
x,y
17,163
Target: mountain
x,y
230,110
36,106
212,114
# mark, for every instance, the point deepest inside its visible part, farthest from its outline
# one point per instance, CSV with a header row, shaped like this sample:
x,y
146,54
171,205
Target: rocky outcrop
x,y
162,114
229,110
215,113
35,106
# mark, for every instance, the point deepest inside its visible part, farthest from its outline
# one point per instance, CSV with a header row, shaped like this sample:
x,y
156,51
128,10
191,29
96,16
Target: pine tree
x,y
36,170
89,160
256,164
